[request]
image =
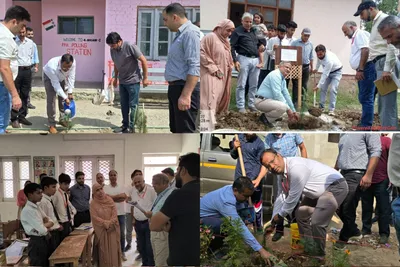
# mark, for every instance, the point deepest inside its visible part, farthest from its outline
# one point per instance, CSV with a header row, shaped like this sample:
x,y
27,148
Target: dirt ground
x,y
343,120
91,118
367,252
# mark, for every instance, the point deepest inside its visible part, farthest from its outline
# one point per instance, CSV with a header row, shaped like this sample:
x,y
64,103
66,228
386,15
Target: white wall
x,y
212,12
127,150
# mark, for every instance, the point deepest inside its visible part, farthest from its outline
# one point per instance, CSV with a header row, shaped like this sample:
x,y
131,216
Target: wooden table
x,y
69,251
87,252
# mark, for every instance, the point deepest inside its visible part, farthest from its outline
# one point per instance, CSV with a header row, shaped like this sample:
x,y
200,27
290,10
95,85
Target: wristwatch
x,y
359,70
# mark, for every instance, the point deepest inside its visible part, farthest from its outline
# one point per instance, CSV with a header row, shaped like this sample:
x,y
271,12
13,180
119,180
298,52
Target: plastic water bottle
x,y
71,107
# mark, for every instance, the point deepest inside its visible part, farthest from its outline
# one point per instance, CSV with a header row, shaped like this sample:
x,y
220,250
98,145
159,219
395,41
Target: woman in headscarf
x,y
215,73
107,248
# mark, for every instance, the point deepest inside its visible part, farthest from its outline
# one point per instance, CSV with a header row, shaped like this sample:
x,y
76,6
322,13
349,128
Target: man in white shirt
x,y
331,75
266,61
49,187
144,195
37,225
291,27
274,43
366,73
383,56
63,206
129,215
323,189
23,82
35,61
59,80
16,17
118,194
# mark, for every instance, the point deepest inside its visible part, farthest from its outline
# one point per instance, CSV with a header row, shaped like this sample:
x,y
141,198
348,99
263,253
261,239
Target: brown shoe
x,y
52,130
63,123
15,124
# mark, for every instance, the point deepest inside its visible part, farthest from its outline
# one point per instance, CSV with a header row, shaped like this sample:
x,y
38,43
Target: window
x,y
153,37
14,172
155,163
274,11
89,165
75,25
221,142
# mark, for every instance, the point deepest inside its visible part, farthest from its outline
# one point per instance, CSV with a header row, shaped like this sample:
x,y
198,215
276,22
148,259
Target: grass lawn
x,y
346,99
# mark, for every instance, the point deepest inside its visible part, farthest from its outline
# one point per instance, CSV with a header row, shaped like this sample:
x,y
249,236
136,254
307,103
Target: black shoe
x,y
121,130
264,120
128,247
30,106
279,119
138,257
277,236
374,220
24,121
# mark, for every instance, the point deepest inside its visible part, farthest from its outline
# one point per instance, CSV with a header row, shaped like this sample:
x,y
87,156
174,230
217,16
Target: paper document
x,y
15,251
385,88
288,55
134,203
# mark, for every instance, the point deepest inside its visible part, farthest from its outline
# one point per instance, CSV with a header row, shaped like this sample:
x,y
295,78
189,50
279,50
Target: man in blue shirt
x,y
223,202
252,148
273,98
287,145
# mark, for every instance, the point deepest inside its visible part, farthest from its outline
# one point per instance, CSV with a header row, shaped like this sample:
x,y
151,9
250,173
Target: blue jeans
x,y
396,217
121,220
129,97
366,91
248,70
5,108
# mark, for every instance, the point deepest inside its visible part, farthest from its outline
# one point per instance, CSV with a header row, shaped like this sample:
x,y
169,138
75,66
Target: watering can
x,y
71,107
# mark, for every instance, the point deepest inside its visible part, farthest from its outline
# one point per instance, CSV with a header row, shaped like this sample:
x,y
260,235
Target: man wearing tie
x,y
63,206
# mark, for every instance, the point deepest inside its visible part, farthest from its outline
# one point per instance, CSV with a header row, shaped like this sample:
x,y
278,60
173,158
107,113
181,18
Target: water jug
x,y
71,107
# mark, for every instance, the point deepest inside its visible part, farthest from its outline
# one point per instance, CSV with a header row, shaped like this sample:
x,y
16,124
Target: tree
x,y
386,6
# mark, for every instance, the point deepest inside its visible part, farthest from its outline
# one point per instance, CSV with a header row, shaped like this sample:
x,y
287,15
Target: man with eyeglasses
x,y
323,189
59,82
224,202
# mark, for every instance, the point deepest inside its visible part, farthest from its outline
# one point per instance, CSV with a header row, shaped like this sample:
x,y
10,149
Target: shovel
x,y
315,111
99,97
244,174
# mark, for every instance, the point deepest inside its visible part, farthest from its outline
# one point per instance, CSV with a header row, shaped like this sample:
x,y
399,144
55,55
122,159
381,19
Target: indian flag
x,y
48,24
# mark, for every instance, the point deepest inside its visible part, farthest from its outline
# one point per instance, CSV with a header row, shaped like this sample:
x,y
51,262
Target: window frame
x,y
76,18
156,12
164,165
16,173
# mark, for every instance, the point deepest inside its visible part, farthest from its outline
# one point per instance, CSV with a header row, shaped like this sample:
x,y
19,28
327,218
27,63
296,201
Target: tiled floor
x,y
131,255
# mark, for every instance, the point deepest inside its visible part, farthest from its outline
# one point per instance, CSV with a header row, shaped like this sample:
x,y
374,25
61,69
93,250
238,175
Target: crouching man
x,y
323,189
221,203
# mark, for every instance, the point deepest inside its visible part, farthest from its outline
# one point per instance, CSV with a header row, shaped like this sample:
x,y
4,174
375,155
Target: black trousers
x,y
347,211
23,83
142,230
38,251
54,241
380,192
304,83
66,231
81,217
182,121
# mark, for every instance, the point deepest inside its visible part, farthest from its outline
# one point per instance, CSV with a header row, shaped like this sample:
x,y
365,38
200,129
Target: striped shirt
x,y
356,149
184,54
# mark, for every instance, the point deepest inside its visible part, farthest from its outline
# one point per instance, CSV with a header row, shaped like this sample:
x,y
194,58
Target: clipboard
x,y
385,88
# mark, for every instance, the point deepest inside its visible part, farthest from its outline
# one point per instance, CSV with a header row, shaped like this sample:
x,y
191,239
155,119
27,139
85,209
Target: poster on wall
x,y
43,165
49,24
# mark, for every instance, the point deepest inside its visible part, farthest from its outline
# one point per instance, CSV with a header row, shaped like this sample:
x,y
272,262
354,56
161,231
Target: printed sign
x,y
44,165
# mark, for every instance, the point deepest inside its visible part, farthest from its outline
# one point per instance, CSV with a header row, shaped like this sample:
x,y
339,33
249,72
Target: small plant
x,y
140,120
206,236
338,258
67,119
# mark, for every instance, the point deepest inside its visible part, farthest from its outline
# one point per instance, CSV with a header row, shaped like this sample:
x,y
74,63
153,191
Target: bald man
x,y
144,195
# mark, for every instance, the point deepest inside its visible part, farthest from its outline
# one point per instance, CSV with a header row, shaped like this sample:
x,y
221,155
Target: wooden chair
x,y
9,229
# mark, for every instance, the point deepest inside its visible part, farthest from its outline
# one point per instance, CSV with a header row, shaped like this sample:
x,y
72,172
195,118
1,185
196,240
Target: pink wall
x,y
4,5
121,17
89,55
35,9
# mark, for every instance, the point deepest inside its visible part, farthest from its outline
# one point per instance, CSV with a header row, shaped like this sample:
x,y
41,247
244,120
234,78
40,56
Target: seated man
x,y
222,203
273,98
323,189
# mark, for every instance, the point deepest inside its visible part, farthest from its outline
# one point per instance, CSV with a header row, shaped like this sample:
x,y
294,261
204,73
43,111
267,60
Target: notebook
x,y
385,88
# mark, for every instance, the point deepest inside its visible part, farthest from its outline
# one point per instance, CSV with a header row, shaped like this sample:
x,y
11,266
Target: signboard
x,y
43,165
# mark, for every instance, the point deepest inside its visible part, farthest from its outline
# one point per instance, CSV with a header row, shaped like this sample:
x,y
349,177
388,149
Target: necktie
x,y
68,213
55,211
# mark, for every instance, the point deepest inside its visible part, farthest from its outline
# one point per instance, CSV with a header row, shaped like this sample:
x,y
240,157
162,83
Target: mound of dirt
x,y
306,123
316,112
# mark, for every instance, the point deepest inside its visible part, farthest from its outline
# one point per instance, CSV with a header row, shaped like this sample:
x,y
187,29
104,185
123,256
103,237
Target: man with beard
x,y
16,17
126,57
383,56
252,148
288,145
323,189
366,73
180,214
224,202
80,196
59,82
144,195
35,61
331,75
